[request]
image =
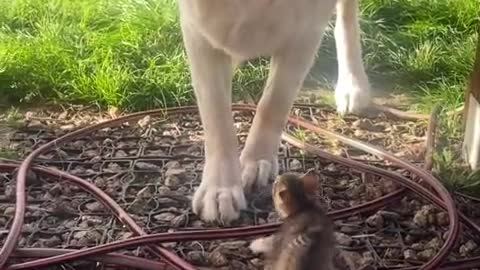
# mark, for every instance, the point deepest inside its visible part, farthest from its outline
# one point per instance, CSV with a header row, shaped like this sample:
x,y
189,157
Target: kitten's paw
x,y
257,172
261,245
352,94
220,196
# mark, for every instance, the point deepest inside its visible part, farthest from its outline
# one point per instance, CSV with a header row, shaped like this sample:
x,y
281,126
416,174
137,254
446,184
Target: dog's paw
x,y
257,172
220,196
352,94
261,245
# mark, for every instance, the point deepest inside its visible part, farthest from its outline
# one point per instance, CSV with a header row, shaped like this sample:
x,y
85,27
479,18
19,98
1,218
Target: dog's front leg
x,y
287,73
220,195
352,93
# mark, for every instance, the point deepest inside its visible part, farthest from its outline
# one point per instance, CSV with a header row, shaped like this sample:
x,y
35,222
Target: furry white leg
x,y
288,70
220,195
352,93
262,245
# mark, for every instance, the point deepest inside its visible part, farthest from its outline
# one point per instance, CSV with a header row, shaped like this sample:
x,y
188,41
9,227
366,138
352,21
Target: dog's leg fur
x,y
288,70
352,92
214,32
220,195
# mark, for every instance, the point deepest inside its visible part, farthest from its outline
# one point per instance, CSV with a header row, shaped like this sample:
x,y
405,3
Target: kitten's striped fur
x,y
305,241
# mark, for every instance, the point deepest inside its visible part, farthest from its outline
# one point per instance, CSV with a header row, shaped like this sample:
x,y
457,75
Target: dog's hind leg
x,y
220,195
352,92
288,70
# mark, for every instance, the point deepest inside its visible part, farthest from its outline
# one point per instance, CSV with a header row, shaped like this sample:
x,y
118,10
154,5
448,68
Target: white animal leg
x,y
352,92
220,195
287,73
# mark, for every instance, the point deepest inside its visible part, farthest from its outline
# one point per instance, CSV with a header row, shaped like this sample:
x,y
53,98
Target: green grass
x,y
129,53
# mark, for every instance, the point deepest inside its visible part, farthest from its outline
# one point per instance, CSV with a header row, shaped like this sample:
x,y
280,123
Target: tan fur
x,y
220,33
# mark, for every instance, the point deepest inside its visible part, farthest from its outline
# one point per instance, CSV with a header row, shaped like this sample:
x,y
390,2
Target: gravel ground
x,y
152,167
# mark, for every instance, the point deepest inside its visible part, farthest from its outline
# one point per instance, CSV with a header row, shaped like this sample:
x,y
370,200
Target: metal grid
x,y
151,168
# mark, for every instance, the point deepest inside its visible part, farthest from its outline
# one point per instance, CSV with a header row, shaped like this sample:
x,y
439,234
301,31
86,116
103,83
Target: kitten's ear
x,y
310,182
285,196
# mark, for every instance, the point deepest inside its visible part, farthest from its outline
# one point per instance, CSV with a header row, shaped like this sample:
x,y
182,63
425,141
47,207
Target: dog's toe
x,y
256,173
352,95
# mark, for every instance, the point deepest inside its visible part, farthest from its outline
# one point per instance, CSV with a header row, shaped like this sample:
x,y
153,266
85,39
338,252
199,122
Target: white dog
x,y
217,35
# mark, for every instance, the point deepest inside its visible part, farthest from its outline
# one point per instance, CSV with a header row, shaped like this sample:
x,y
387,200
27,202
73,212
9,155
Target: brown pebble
x,y
410,254
216,258
196,257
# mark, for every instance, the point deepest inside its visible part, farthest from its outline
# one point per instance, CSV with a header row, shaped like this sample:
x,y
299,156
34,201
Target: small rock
x,y
87,237
52,241
172,165
9,191
90,153
179,221
145,193
174,176
410,254
237,265
94,207
9,211
95,159
172,181
331,167
389,215
182,190
77,171
155,153
256,262
216,258
442,219
3,221
434,244
167,202
422,217
164,191
144,121
273,217
375,221
359,133
35,124
232,245
120,154
107,141
92,220
29,115
367,124
392,253
367,258
67,127
467,248
417,247
56,190
62,116
196,257
295,165
198,224
349,259
125,235
349,229
113,167
343,239
426,254
147,166
373,191
165,217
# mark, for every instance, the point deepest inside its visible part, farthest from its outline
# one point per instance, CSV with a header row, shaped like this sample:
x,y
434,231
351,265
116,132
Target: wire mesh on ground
x,y
149,163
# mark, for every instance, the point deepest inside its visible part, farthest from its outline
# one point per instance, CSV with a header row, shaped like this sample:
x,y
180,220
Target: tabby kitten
x,y
305,240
